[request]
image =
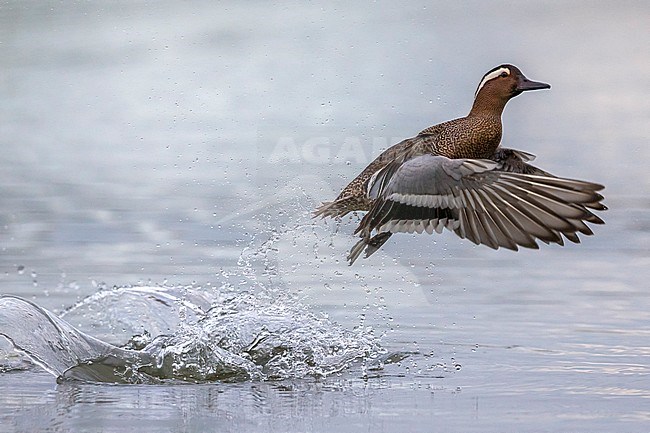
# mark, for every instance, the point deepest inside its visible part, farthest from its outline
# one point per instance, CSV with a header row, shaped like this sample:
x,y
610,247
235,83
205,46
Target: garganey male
x,y
454,175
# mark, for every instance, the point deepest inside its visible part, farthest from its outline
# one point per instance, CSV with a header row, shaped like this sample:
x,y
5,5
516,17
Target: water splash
x,y
118,314
243,336
53,343
248,328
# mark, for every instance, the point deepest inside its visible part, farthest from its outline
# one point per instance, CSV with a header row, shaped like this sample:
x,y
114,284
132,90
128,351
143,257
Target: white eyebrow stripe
x,y
490,76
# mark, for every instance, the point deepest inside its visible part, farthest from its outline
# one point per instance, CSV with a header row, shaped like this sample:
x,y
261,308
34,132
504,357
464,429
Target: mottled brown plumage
x,y
405,190
475,136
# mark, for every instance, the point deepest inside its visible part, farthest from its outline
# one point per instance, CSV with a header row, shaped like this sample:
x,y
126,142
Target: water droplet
x,y
21,269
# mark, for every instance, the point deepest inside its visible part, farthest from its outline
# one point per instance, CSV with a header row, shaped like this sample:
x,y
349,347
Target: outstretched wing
x,y
516,161
480,202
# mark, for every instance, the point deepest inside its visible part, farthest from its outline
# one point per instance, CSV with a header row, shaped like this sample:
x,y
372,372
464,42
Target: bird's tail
x,y
341,206
326,209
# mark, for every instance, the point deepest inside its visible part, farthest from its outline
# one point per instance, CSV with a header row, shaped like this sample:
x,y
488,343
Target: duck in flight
x,y
455,175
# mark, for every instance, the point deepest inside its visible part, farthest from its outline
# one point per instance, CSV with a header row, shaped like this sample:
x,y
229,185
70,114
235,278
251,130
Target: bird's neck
x,y
488,105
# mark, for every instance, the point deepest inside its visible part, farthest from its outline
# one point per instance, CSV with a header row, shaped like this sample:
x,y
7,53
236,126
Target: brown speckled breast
x,y
467,137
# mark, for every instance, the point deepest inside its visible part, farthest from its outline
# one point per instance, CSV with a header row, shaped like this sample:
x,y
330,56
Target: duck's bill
x,y
527,84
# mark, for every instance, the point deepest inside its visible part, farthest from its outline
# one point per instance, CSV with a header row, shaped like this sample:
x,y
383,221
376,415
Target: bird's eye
x,y
503,74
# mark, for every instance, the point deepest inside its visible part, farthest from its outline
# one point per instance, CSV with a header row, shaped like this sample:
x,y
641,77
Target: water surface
x,y
185,145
